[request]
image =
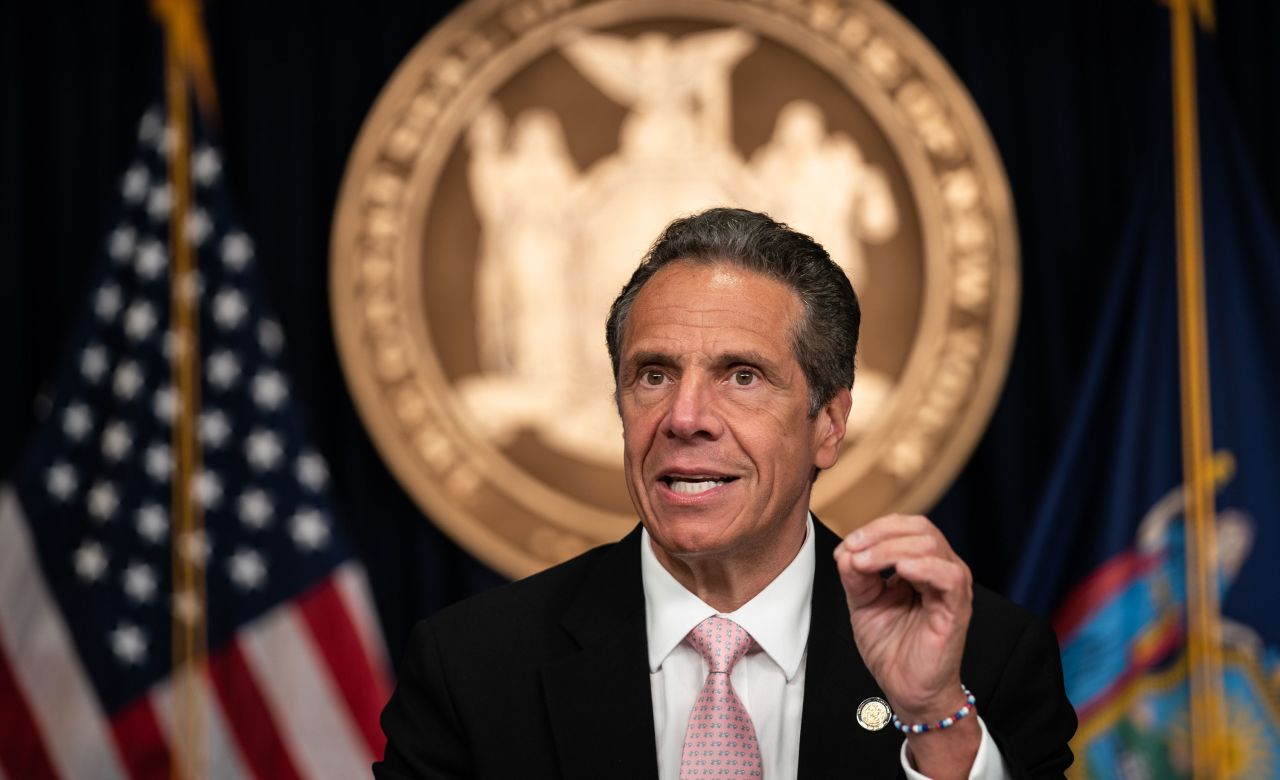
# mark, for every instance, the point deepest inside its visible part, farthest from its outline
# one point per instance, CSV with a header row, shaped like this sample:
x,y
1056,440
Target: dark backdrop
x,y
1068,89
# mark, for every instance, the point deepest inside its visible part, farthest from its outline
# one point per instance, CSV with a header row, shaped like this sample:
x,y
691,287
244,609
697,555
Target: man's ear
x,y
830,426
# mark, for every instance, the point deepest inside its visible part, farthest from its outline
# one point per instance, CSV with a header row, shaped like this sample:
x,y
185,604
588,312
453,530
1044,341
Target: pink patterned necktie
x,y
720,741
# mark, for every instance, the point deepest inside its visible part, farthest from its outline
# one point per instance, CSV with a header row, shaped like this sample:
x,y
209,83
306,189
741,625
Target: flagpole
x,y
1204,631
188,580
186,67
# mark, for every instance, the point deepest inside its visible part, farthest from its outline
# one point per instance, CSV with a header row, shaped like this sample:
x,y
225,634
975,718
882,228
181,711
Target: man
x,y
733,347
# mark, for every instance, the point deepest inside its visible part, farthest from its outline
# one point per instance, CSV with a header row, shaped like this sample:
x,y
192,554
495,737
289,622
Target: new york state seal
x,y
524,155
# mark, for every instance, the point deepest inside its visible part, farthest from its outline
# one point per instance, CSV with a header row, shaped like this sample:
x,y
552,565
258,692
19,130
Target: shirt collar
x,y
777,618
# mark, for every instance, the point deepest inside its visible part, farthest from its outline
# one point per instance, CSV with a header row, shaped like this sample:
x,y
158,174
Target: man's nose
x,y
693,411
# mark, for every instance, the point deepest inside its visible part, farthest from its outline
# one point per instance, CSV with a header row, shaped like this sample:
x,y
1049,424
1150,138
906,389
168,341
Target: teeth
x,y
686,488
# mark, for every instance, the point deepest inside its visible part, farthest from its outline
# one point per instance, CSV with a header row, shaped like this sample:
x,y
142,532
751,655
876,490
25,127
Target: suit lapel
x,y
598,699
836,682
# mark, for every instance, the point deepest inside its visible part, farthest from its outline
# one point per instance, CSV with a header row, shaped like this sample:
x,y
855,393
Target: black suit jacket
x,y
548,677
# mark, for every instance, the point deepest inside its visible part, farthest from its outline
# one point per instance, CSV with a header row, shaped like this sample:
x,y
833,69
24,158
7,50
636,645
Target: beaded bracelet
x,y
970,705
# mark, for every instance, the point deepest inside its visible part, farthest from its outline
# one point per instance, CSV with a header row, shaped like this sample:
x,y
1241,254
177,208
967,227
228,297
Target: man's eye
x,y
654,377
744,378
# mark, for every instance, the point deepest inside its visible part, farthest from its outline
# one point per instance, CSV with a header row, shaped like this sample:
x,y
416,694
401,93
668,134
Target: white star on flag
x,y
214,428
206,164
195,546
139,582
128,380
158,462
139,321
121,243
263,450
152,523
116,440
192,285
311,471
206,488
135,183
90,561
106,302
199,226
237,250
186,606
270,337
308,529
247,569
173,345
159,202
269,390
229,309
151,259
77,421
150,128
165,404
61,481
103,501
255,509
222,369
93,363
129,644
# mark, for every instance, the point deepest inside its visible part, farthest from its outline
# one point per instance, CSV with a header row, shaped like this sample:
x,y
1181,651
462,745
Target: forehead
x,y
718,305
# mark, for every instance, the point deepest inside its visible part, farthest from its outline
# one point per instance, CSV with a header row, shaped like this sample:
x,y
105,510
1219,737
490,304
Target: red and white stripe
x,y
57,728
296,694
218,751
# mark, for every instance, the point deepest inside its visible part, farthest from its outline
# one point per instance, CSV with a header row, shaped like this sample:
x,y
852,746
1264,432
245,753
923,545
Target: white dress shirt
x,y
769,680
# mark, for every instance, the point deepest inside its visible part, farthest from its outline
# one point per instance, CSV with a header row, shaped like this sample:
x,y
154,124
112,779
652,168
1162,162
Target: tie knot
x,y
721,641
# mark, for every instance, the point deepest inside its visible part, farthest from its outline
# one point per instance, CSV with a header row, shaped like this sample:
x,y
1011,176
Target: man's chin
x,y
691,539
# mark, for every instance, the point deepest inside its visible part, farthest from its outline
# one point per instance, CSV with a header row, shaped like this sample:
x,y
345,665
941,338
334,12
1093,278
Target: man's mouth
x,y
693,484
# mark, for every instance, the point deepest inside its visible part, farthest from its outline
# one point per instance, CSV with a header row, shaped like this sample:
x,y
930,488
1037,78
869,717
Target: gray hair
x,y
826,337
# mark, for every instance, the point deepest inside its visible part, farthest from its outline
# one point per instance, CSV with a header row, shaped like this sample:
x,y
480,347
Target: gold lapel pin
x,y
874,713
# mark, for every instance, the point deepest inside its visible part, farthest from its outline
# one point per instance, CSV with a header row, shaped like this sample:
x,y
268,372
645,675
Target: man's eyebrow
x,y
650,359
748,358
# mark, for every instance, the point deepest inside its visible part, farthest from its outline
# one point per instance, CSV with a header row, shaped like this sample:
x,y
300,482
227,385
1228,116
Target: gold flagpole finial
x,y
1202,10
1205,14
183,21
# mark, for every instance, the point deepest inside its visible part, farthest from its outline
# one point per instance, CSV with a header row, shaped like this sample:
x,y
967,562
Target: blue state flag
x,y
1107,552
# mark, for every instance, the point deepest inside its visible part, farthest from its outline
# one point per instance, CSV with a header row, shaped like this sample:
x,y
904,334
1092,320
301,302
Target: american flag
x,y
296,672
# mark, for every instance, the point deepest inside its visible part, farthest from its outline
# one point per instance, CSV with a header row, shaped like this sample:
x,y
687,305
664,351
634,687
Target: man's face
x,y
719,445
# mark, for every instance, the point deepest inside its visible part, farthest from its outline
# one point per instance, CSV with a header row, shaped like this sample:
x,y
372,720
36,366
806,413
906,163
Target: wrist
x,y
932,718
932,704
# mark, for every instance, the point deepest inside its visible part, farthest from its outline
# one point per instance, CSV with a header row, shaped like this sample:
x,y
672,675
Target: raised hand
x,y
910,626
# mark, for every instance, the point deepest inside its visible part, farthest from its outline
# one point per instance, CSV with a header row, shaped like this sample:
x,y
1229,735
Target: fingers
x,y
889,552
915,549
860,587
886,540
934,578
891,526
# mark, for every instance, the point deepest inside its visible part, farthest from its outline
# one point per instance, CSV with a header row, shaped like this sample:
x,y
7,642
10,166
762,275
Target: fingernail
x,y
862,558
